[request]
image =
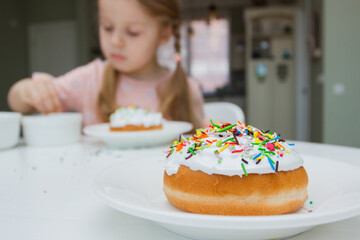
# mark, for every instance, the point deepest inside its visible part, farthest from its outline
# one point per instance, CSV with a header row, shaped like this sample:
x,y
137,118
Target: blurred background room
x,y
291,65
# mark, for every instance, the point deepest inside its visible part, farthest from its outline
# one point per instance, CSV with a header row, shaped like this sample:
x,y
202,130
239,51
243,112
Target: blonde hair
x,y
174,95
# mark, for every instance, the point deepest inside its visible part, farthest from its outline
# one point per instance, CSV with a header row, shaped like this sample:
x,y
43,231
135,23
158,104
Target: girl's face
x,y
129,36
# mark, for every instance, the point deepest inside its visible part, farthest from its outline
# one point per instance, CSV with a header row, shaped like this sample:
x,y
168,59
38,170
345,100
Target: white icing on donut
x,y
135,116
228,162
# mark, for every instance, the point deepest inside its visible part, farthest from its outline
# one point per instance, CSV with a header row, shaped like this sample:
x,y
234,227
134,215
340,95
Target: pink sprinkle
x,y
270,146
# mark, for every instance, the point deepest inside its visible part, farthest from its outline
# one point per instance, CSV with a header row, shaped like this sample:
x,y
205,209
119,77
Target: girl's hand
x,y
40,93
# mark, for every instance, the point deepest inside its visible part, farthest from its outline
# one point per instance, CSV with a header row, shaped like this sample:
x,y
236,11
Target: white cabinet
x,y
270,75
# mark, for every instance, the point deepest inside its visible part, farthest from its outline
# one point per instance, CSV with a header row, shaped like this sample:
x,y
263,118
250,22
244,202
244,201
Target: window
x,y
209,54
204,51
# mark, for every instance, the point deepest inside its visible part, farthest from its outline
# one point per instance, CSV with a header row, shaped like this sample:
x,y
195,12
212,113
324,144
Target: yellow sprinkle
x,y
269,136
257,141
176,142
260,158
256,134
222,149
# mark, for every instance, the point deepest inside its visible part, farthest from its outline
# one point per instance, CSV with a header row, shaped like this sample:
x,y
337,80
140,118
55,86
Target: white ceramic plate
x,y
170,132
135,188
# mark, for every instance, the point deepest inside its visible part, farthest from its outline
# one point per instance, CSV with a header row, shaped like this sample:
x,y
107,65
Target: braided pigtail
x,y
175,96
106,99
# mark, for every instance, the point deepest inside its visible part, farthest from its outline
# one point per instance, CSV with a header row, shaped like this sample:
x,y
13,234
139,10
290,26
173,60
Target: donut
x,y
234,169
133,118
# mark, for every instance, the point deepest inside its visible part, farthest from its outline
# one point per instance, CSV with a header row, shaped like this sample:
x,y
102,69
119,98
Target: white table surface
x,y
47,193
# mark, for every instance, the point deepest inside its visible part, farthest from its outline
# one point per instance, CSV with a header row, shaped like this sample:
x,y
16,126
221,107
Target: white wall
x,y
341,117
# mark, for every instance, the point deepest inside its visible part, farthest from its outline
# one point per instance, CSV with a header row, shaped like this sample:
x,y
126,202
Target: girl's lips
x,y
118,57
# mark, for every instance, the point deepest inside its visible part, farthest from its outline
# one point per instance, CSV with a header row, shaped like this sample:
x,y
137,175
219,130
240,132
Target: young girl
x,y
130,32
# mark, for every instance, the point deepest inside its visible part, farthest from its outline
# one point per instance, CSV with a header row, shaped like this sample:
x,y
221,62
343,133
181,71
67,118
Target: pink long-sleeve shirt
x,y
79,89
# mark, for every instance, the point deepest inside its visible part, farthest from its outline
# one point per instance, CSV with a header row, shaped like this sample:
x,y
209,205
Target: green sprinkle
x,y
243,167
215,125
180,152
269,158
255,143
201,148
229,139
218,143
190,150
270,152
199,130
261,149
219,161
216,151
227,128
310,202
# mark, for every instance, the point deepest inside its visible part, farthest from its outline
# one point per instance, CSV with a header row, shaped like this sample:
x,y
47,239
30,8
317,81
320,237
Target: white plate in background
x,y
129,139
135,187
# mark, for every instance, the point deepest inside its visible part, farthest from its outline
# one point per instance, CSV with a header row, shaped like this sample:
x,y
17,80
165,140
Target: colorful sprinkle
x,y
192,151
172,150
226,128
223,148
237,151
271,162
243,167
215,125
257,156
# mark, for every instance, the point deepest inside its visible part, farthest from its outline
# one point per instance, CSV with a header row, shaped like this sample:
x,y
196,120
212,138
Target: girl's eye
x,y
108,28
133,33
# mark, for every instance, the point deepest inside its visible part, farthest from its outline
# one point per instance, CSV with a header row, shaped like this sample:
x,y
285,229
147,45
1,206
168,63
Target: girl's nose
x,y
117,40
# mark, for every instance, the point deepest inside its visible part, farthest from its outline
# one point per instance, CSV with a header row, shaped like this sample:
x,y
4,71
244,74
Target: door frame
x,y
302,74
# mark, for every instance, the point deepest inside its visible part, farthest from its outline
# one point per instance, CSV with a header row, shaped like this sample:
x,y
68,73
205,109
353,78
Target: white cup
x,y
9,129
53,129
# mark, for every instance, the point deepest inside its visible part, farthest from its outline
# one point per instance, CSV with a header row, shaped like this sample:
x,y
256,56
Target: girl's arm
x,y
37,94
